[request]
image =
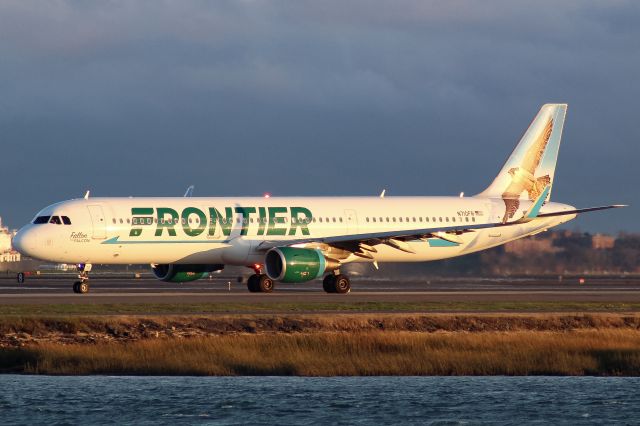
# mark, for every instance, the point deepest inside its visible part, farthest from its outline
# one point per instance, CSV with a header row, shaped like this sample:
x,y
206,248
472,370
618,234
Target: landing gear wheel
x,y
328,283
265,284
342,284
260,283
82,286
253,283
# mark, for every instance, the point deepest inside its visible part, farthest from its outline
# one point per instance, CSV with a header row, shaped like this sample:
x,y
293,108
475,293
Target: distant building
x,y
531,245
7,254
602,241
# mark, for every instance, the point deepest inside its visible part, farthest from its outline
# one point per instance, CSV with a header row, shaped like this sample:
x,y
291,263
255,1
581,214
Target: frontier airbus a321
x,y
299,239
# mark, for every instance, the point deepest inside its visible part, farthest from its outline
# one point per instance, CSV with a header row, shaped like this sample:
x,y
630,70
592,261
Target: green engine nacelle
x,y
294,265
183,273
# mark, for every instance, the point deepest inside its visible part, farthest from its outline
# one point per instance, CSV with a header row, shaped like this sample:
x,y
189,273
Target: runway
x,y
110,290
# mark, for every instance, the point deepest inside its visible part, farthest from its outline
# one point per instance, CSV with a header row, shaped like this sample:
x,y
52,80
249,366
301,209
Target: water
x,y
287,400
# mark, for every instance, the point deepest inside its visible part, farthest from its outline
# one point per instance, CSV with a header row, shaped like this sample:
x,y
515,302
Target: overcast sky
x,y
313,98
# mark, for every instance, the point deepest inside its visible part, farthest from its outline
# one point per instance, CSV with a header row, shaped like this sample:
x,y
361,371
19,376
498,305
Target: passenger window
x,y
121,221
334,219
367,219
340,220
394,218
473,219
55,220
320,219
374,219
128,220
440,219
467,218
400,219
66,220
387,218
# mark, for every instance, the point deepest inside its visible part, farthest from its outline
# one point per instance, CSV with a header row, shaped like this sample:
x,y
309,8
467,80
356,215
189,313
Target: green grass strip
x,y
203,308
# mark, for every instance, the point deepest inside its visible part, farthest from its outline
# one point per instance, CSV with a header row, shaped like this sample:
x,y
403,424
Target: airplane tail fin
x,y
531,166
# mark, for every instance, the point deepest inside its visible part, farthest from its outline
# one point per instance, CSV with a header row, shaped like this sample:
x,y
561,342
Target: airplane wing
x,y
447,235
394,239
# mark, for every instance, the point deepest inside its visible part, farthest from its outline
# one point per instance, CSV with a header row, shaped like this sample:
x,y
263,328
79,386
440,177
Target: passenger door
x,y
99,222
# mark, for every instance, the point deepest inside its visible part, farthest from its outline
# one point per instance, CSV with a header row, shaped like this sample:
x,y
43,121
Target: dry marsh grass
x,y
583,352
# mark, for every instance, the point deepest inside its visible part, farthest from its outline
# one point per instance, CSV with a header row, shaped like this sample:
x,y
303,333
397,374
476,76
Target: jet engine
x,y
297,265
183,273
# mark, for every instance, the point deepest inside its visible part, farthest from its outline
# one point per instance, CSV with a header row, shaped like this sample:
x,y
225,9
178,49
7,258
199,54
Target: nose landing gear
x,y
82,286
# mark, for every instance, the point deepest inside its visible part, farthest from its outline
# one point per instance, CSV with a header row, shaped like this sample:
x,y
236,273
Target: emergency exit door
x,y
352,221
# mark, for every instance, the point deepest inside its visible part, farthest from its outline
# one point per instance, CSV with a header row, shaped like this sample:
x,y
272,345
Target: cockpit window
x,y
41,219
66,220
55,220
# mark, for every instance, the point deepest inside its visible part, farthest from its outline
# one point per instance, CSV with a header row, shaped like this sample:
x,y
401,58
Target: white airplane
x,y
299,239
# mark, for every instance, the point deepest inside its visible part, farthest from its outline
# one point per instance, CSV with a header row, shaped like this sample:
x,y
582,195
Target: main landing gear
x,y
82,286
260,283
336,283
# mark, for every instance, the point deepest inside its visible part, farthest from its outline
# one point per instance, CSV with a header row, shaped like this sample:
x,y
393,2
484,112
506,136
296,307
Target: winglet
x,y
189,191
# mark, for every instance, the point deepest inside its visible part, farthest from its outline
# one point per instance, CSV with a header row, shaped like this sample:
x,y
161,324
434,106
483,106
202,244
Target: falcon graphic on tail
x,y
523,177
531,166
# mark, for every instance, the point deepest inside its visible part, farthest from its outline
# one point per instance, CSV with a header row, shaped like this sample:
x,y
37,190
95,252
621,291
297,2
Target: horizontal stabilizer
x,y
578,211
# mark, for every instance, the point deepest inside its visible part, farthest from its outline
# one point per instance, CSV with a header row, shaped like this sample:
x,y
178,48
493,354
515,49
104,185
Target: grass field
x,y
592,352
324,344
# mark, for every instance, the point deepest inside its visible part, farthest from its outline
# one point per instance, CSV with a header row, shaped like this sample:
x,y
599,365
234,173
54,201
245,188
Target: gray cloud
x,y
332,97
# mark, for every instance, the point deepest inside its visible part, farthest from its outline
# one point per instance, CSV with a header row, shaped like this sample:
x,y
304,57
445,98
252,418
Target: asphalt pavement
x,y
226,289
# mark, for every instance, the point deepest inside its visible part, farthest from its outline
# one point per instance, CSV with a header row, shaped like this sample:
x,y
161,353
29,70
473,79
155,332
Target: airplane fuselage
x,y
230,230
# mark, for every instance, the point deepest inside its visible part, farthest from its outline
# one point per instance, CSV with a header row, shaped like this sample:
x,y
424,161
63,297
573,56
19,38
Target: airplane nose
x,y
25,241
